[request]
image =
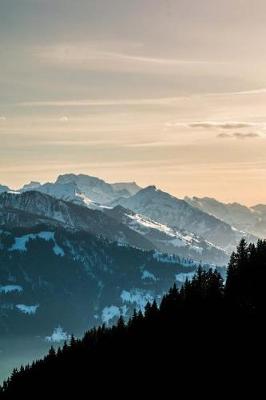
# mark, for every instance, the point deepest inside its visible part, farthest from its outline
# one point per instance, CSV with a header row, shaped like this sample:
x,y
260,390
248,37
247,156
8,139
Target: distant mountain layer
x,y
180,214
86,189
33,208
121,225
167,239
249,219
215,228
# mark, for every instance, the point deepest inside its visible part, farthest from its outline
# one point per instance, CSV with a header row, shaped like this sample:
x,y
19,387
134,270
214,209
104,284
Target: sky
x,y
164,92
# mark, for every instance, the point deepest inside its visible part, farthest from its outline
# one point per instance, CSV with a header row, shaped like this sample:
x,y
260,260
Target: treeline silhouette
x,y
205,333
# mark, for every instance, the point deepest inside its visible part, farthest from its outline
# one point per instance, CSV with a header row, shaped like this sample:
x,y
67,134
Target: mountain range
x,y
180,214
180,226
84,190
248,219
80,252
33,208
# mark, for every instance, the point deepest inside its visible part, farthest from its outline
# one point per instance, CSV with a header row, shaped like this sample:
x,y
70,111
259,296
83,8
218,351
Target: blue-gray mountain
x,y
4,188
180,214
68,278
248,219
217,235
31,208
169,239
54,282
85,190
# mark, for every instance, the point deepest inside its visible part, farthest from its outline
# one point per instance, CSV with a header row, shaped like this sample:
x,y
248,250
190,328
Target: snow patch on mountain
x,y
137,297
148,275
86,200
177,239
58,335
138,220
21,242
30,310
109,313
10,288
13,192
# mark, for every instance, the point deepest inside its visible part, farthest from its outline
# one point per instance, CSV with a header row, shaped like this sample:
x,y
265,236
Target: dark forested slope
x,y
199,335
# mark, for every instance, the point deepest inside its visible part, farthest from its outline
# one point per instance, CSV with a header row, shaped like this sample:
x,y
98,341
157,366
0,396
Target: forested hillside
x,y
205,331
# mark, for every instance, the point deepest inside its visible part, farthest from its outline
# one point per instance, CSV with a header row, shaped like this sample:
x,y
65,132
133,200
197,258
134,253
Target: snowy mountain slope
x,y
235,220
166,209
249,219
216,224
85,190
169,239
34,208
90,271
4,188
54,282
97,189
64,191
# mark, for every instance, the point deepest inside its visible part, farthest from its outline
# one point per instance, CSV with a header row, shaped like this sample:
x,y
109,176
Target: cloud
x,y
238,135
114,57
224,135
2,118
102,102
217,125
249,135
85,55
176,125
241,92
221,125
64,118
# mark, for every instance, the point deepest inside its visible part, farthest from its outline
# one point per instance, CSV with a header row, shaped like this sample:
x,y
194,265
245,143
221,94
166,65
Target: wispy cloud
x,y
2,118
150,60
238,135
102,102
110,57
224,125
221,125
241,92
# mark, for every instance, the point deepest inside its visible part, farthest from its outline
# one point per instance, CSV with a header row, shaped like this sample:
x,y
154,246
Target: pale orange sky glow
x,y
161,92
